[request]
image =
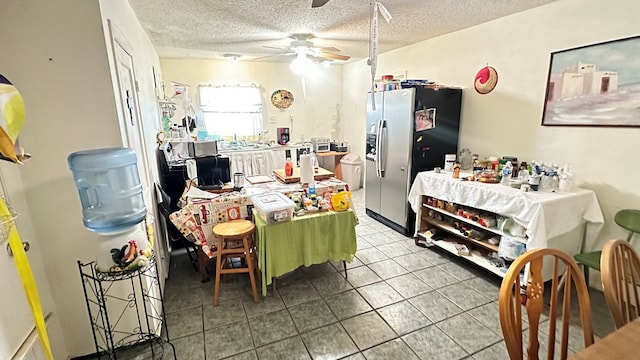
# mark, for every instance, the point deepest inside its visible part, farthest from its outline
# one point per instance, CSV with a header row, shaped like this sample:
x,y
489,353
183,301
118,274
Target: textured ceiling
x,y
212,28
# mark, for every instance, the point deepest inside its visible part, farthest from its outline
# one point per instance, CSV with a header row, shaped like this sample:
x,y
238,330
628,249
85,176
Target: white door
x,y
123,54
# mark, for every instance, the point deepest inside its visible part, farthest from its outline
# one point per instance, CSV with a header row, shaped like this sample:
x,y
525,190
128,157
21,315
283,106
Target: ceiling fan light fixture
x,y
233,57
300,64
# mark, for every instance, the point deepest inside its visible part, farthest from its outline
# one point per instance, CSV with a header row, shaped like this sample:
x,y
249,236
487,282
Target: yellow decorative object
x,y
341,201
12,115
26,276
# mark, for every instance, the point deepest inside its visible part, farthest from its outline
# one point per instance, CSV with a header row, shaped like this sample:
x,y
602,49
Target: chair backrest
x,y
165,205
620,271
528,289
164,208
628,219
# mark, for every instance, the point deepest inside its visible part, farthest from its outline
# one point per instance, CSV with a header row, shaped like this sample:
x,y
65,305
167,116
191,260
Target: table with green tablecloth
x,y
305,240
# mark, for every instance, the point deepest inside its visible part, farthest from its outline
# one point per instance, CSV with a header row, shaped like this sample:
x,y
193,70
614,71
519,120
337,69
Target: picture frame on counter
x,y
594,85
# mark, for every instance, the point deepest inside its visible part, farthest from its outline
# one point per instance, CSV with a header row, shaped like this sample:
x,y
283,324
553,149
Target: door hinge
x,y
137,86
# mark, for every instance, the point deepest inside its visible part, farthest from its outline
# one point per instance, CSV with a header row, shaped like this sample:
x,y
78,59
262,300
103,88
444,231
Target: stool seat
x,y
234,229
229,234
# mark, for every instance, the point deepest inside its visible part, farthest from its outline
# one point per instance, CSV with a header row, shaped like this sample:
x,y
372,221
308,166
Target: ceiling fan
x,y
301,44
318,3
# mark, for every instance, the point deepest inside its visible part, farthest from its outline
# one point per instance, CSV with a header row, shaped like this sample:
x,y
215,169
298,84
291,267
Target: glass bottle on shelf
x,y
466,159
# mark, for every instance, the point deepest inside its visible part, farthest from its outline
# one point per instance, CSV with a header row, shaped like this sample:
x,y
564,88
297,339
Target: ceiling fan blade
x,y
329,49
334,56
281,48
318,3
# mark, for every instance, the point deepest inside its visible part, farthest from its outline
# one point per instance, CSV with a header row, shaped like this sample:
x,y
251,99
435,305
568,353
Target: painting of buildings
x,y
597,85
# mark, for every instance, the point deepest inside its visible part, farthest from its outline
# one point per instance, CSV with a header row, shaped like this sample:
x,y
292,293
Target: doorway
x,y
133,136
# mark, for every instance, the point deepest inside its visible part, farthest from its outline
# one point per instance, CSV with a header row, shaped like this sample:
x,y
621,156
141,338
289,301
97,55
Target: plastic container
x,y
351,171
109,187
273,207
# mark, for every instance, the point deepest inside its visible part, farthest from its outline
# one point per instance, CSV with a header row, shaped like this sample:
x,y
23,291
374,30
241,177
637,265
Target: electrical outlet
x,y
272,120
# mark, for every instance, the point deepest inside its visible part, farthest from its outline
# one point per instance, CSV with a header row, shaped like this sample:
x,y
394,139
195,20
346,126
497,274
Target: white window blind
x,y
231,110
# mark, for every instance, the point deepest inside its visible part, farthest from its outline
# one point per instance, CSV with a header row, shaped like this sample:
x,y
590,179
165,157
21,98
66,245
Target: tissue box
x,y
273,207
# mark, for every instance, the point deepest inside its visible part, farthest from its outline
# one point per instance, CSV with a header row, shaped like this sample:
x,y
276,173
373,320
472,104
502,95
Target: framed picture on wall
x,y
594,85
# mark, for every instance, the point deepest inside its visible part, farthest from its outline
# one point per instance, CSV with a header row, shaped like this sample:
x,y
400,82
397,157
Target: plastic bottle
x,y
314,162
166,122
312,188
507,172
109,187
288,168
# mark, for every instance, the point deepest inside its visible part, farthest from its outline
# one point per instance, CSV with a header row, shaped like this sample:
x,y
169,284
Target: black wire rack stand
x,y
126,311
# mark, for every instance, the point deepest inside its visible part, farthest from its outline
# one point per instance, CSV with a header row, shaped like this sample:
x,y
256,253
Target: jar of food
x,y
466,159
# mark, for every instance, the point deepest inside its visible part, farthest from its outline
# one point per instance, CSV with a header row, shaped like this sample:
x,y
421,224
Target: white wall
x,y
58,59
317,114
507,121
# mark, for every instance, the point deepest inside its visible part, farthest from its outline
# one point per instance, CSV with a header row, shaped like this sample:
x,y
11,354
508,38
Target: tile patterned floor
x,y
399,301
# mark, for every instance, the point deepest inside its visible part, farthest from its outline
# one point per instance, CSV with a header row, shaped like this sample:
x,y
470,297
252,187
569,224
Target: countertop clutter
x,y
508,171
476,214
201,210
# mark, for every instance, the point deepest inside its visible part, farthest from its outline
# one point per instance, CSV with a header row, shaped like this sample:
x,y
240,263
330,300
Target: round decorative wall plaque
x,y
282,99
486,80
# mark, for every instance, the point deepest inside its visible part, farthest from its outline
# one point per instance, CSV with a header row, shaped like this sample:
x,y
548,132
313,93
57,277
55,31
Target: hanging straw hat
x,y
486,80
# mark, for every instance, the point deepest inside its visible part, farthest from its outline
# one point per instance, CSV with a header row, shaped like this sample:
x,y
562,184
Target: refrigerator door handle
x,y
378,147
383,145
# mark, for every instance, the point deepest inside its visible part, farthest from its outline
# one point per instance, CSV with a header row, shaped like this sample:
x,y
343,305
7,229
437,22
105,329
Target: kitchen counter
x,y
250,148
252,160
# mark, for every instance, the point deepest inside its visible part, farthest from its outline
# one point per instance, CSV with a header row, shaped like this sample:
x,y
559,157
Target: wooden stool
x,y
234,231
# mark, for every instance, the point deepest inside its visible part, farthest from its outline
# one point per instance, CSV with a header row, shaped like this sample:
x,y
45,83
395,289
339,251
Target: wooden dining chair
x,y
620,272
527,290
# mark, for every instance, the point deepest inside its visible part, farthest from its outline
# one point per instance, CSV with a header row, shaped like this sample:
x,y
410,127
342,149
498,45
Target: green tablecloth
x,y
306,240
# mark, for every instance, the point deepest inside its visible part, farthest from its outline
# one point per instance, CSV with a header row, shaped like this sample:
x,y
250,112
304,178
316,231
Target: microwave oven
x,y
203,148
321,144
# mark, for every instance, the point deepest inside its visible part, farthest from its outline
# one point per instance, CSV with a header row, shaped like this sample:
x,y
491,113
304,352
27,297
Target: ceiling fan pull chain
x,y
373,50
373,42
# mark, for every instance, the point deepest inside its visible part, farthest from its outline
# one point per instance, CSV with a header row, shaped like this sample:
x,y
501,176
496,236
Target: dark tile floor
x,y
399,301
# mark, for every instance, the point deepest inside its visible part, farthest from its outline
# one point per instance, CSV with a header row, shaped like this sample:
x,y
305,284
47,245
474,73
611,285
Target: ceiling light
x,y
300,64
233,57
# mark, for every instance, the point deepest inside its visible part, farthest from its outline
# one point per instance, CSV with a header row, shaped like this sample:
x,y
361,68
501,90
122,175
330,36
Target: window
x,y
231,110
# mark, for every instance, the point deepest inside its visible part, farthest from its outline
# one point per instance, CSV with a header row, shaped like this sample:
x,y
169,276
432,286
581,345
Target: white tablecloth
x,y
544,214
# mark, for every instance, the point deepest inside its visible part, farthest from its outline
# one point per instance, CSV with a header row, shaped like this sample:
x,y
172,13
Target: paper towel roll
x,y
192,170
306,169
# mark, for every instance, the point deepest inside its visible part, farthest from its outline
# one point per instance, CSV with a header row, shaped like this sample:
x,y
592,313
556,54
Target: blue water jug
x,y
109,187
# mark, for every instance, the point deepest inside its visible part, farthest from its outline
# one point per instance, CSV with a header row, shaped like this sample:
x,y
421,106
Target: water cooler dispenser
x,y
113,206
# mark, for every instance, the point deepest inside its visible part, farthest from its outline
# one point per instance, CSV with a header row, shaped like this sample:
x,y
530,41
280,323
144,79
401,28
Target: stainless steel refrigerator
x,y
409,131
